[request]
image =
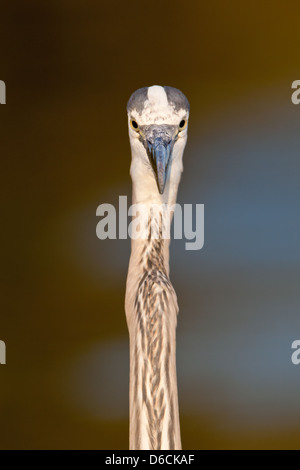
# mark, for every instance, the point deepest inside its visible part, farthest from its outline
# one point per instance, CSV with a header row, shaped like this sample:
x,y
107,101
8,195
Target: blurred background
x,y
69,69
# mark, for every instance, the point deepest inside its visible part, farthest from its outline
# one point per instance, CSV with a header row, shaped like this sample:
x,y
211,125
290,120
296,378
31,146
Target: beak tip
x,y
161,182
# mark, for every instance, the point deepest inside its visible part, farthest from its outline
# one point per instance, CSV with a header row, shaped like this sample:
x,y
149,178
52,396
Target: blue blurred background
x,y
69,69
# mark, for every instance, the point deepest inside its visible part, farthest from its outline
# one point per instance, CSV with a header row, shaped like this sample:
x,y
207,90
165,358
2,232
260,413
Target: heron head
x,y
158,121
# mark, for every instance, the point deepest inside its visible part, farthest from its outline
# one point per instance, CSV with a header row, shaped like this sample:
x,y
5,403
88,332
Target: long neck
x,y
151,310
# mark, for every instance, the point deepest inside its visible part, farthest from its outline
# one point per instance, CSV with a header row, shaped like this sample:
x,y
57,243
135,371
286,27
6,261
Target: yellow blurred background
x,y
69,69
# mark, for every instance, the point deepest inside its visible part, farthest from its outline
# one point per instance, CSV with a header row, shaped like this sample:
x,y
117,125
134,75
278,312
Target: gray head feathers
x,y
175,98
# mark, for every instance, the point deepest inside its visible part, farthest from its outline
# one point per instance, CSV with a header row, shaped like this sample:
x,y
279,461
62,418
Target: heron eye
x,y
134,124
182,124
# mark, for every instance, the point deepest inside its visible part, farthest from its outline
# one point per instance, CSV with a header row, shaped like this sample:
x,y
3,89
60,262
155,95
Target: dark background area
x,y
69,69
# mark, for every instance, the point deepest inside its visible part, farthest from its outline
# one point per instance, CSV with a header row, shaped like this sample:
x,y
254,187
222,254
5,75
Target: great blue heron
x,y
157,119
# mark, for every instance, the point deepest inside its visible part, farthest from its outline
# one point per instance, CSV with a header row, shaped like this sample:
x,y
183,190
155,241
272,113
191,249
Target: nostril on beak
x,y
150,143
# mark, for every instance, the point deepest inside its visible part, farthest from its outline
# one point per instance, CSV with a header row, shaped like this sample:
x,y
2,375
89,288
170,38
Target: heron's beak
x,y
159,142
159,156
